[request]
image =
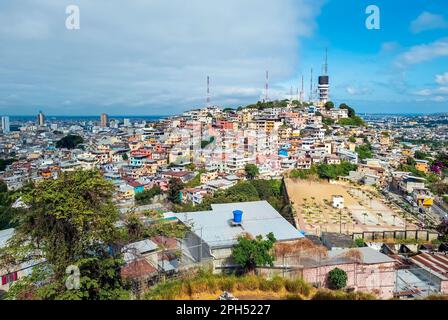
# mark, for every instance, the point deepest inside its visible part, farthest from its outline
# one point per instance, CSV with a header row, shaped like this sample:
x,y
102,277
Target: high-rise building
x,y
127,122
40,119
323,85
5,124
103,120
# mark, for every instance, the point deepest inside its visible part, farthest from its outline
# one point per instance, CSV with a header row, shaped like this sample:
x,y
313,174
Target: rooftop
x,y
259,218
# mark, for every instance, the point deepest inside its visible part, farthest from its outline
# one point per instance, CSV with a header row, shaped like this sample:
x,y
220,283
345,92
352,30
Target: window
x,y
11,277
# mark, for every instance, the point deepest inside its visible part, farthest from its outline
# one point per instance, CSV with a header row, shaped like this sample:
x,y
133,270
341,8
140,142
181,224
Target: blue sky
x,y
152,57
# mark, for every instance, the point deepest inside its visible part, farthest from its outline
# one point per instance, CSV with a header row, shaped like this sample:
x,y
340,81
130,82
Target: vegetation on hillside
x,y
364,151
146,196
70,222
6,162
251,252
69,142
210,286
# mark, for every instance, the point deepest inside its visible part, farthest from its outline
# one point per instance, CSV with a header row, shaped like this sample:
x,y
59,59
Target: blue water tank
x,y
237,216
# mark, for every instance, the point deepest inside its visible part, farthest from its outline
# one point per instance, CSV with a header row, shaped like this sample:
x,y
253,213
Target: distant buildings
x,y
5,124
104,120
40,119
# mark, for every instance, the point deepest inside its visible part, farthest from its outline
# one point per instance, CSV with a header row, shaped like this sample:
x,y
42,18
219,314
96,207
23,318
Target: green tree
x,y
250,253
364,151
329,105
69,142
175,185
337,278
146,196
252,171
351,111
69,221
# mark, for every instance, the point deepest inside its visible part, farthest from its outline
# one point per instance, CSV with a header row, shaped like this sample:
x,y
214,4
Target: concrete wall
x,y
375,278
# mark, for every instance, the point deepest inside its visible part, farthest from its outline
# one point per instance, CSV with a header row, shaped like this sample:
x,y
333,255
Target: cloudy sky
x,y
152,57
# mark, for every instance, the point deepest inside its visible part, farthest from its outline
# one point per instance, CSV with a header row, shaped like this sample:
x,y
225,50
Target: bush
x,y
337,278
326,294
298,286
250,282
277,283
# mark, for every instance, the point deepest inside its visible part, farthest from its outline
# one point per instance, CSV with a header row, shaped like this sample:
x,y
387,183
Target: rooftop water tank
x,y
237,216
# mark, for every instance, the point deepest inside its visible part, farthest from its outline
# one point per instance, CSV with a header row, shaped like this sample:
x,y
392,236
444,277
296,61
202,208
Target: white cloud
x,y
428,21
422,53
357,90
442,78
149,56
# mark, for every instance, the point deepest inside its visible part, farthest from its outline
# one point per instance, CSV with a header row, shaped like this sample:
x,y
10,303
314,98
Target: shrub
x,y
277,283
250,282
326,294
297,286
337,278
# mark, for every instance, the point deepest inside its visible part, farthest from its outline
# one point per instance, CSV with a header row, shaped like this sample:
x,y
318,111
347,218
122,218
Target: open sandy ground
x,y
363,210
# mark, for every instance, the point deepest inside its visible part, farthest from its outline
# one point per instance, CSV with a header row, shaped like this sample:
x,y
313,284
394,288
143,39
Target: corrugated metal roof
x,y
259,218
5,235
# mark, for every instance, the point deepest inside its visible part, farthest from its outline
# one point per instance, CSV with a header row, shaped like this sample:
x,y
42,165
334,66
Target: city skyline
x,y
157,63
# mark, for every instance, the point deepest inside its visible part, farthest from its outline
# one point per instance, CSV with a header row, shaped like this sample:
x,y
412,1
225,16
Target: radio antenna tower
x,y
302,92
326,62
311,86
208,91
267,86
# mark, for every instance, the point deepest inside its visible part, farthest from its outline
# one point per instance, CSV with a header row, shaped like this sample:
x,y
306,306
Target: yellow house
x,y
422,166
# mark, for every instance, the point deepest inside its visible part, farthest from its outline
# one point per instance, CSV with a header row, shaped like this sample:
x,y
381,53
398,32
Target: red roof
x,y
137,269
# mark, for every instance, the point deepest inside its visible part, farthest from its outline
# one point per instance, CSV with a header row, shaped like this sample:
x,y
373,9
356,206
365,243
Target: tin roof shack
x,y
333,240
214,233
10,274
141,261
367,270
433,269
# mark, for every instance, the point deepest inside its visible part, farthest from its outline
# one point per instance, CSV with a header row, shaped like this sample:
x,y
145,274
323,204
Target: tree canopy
x,y
69,142
252,252
337,278
252,171
70,222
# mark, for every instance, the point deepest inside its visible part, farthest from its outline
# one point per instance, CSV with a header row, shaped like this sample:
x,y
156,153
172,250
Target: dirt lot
x,y
363,209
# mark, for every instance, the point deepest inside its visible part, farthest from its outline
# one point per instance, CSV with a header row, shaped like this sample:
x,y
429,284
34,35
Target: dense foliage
x,y
70,222
6,162
69,142
251,171
146,196
250,252
364,151
337,278
332,171
175,185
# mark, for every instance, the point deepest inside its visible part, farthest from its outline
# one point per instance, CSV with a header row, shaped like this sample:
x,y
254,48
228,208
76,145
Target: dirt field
x,y
363,210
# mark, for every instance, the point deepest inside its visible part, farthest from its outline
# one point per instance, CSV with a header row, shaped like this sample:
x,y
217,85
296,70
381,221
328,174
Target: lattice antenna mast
x,y
208,91
267,87
302,92
311,86
326,62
